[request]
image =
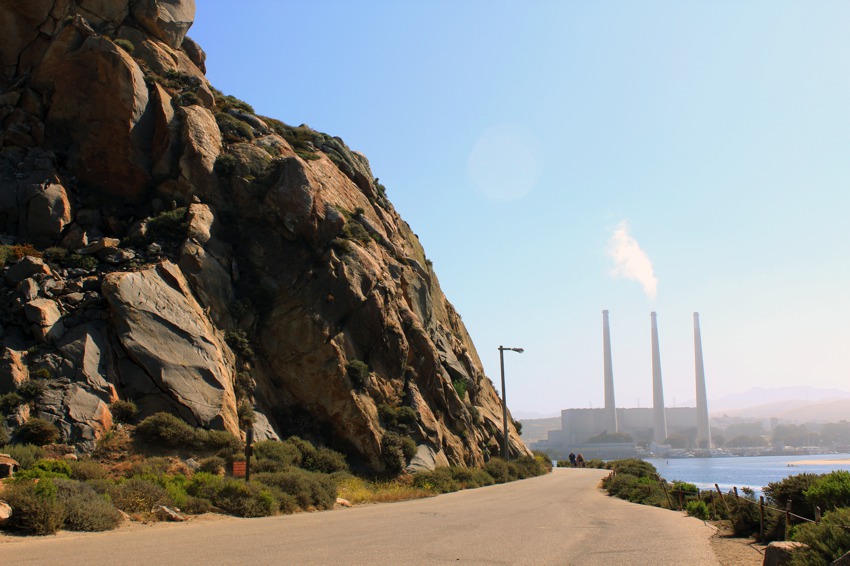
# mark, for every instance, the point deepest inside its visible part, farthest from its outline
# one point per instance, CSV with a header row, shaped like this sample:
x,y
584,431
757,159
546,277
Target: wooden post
x,y
713,506
787,519
664,485
722,499
735,490
761,517
249,450
817,514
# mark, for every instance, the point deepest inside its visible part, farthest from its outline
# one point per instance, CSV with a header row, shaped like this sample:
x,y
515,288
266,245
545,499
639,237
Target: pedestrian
x,y
580,460
572,460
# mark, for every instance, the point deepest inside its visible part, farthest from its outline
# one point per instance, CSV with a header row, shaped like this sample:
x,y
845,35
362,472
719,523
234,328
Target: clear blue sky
x,y
704,145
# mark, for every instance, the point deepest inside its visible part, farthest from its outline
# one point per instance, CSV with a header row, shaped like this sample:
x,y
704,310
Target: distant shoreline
x,y
819,462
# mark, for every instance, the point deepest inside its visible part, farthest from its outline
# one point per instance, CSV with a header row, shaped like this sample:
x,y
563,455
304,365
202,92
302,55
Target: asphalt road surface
x,y
561,518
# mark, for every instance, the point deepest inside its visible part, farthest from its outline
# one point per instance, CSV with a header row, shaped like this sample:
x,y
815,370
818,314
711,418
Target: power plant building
x,y
650,426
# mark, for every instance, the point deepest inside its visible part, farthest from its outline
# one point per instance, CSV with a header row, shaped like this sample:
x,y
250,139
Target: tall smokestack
x,y
610,407
659,419
703,428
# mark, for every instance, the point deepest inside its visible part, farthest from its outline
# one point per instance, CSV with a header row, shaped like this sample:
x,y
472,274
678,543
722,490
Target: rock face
x,y
197,256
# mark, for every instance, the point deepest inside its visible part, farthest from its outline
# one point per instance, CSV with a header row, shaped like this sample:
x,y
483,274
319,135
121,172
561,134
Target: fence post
x,y
722,499
761,518
787,519
669,502
817,514
735,489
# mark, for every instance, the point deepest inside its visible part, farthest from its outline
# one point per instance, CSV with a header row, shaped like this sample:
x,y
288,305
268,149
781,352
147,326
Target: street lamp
x,y
505,399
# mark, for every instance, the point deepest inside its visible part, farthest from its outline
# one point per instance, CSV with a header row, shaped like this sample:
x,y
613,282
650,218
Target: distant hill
x,y
761,396
832,410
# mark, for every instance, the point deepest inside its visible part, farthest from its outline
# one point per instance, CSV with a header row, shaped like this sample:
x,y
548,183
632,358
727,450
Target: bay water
x,y
754,472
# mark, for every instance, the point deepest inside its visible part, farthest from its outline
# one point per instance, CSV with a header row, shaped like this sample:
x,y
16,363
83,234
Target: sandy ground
x,y
732,551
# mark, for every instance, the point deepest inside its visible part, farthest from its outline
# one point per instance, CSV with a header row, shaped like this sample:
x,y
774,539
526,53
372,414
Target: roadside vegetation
x,y
803,495
164,469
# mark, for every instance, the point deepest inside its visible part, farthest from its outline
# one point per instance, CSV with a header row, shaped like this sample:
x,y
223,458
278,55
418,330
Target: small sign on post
x,y
239,467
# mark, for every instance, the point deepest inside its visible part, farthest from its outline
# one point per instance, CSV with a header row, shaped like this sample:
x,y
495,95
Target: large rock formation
x,y
197,256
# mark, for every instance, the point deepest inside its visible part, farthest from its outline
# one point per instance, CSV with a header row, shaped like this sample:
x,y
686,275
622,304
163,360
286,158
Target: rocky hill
x,y
165,245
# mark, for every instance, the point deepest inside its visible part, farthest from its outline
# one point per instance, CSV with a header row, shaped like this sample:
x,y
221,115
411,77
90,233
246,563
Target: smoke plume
x,y
631,262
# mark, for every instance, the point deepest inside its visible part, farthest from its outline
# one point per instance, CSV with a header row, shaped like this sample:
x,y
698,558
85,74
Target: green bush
x,y
25,454
394,452
137,495
744,513
827,540
398,419
85,470
4,434
85,510
830,491
32,389
286,453
196,506
232,128
245,413
310,489
234,496
47,469
38,431
326,461
225,165
126,45
698,509
498,470
166,429
124,411
460,387
9,402
218,440
439,480
239,343
149,467
212,465
792,489
37,509
77,261
353,230
170,226
358,372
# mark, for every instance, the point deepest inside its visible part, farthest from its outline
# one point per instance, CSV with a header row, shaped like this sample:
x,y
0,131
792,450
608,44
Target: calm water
x,y
746,471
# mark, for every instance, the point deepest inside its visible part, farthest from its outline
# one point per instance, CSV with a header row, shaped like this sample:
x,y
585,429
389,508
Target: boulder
x,y
195,53
5,512
97,116
106,15
48,211
778,553
13,372
45,319
202,141
29,266
164,513
19,27
174,355
88,351
168,20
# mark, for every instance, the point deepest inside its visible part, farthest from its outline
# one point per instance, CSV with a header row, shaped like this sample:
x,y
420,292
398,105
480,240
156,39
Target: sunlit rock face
x,y
197,257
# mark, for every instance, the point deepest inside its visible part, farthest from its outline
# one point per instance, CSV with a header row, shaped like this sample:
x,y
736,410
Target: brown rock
x,y
778,553
45,318
13,372
48,212
168,20
171,346
19,27
5,512
202,141
97,116
29,266
195,53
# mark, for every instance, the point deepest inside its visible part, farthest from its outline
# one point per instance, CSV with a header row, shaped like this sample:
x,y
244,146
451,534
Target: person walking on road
x,y
580,461
572,460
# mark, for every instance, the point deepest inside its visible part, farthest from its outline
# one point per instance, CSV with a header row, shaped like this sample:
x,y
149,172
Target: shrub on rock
x,y
38,431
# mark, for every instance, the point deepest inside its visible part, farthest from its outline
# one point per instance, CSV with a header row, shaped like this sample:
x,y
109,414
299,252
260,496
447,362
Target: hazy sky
x,y
560,158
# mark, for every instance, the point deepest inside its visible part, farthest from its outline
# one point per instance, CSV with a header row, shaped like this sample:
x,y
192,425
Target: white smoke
x,y
631,262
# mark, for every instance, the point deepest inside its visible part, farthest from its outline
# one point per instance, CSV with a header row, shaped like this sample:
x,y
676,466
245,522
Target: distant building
x,y
647,426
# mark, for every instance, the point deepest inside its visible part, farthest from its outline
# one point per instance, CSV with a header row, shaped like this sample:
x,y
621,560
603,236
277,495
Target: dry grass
x,y
358,491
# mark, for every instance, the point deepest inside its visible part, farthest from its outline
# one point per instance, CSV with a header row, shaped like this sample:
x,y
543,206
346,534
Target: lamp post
x,y
505,399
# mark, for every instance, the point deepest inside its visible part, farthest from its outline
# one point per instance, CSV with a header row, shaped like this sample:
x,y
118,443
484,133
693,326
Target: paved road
x,y
561,518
